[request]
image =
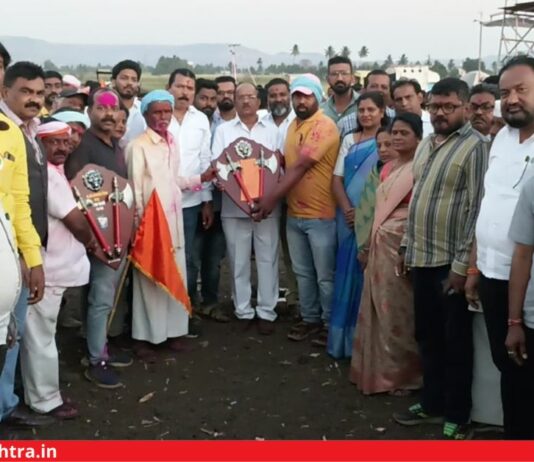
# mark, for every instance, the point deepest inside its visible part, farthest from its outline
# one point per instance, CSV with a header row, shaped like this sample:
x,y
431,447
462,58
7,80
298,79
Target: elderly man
x,y
311,149
66,265
154,164
240,230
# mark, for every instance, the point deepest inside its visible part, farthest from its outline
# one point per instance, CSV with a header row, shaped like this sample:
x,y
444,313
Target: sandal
x,y
66,411
218,314
303,330
322,338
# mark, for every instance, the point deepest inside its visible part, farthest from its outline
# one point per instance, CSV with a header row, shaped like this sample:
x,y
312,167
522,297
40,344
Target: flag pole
x,y
118,292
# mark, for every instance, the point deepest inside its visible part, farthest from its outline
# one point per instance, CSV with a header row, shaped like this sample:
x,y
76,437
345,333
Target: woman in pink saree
x,y
385,357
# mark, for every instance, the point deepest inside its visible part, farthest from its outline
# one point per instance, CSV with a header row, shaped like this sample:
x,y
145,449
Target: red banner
x,y
290,451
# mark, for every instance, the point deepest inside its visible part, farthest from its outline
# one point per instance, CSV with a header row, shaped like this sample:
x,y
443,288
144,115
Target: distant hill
x,y
25,48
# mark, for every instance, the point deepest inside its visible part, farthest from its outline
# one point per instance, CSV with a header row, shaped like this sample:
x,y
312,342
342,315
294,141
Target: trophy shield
x,y
107,202
247,170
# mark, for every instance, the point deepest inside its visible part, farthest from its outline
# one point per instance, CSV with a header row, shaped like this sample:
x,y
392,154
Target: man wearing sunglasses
x,y
448,170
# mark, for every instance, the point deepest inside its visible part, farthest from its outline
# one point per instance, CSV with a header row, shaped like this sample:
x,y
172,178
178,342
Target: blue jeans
x,y
103,282
8,399
210,248
191,220
312,247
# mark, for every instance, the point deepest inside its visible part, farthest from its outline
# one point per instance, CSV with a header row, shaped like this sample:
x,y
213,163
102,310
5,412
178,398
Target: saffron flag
x,y
153,252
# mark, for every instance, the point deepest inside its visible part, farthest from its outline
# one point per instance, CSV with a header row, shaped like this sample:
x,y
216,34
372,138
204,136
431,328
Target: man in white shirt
x,y
280,112
125,79
281,115
240,230
408,97
510,166
190,129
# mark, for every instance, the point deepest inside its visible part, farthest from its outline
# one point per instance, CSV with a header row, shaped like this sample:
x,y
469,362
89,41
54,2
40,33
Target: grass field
x,y
152,82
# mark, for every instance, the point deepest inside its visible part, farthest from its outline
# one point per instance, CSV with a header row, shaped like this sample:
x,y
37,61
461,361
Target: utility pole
x,y
232,48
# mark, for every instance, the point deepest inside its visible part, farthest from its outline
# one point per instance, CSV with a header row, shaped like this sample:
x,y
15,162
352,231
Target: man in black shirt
x,y
99,147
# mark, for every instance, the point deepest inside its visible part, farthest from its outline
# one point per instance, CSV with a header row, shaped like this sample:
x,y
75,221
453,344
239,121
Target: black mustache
x,y
108,119
32,104
184,98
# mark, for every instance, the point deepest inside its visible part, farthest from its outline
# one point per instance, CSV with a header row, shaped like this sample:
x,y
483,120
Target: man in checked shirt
x,y
449,168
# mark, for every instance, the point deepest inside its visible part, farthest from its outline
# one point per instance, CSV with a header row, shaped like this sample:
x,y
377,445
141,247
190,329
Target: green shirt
x,y
329,107
448,189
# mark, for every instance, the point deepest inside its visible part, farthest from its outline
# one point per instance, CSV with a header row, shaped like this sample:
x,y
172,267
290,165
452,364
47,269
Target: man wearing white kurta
x,y
190,129
154,163
240,230
66,265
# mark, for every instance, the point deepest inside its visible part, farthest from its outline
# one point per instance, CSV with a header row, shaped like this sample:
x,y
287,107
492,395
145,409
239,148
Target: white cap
x,y
71,80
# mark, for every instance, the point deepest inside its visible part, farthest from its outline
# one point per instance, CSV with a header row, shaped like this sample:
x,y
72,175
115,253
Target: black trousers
x,y
517,383
443,330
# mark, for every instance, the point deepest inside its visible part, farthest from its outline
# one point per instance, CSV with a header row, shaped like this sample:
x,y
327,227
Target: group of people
x,y
394,215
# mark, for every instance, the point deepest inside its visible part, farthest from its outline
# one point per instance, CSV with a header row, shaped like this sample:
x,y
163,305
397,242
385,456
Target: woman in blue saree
x,y
354,186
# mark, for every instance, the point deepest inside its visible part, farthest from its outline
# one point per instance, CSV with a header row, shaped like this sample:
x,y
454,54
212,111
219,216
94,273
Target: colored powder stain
x,y
107,98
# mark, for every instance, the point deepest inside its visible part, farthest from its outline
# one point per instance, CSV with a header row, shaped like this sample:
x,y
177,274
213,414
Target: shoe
x,y
145,352
453,431
303,330
120,359
415,416
246,324
66,411
102,376
265,327
25,418
195,327
178,345
322,338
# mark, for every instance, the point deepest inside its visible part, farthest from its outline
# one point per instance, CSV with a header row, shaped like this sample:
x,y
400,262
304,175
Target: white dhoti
x,y
241,234
39,356
156,316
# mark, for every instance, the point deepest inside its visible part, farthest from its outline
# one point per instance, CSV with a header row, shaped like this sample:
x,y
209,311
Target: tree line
x,y
166,64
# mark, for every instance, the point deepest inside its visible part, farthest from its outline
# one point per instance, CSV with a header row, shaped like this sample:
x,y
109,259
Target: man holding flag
x,y
161,304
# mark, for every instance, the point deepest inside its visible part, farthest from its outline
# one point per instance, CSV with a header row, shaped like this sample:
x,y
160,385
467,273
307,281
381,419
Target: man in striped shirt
x,y
449,168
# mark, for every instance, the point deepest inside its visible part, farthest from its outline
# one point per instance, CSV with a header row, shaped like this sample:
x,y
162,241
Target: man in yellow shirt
x,y
311,149
14,195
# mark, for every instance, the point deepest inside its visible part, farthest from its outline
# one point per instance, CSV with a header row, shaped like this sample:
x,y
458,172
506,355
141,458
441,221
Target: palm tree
x,y
295,51
364,52
403,60
259,62
330,52
345,52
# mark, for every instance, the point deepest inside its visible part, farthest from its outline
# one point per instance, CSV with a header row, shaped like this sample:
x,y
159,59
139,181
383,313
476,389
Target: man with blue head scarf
x,y
154,164
310,152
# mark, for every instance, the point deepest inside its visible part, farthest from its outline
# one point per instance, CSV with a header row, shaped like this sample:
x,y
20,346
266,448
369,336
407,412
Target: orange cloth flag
x,y
153,252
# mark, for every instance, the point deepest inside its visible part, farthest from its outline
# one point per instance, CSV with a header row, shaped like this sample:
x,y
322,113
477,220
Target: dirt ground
x,y
233,384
